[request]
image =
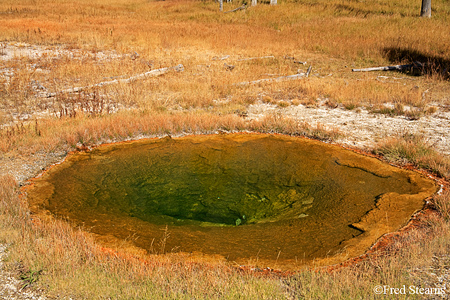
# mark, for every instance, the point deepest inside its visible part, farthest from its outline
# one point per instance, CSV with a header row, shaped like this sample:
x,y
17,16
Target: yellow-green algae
x,y
269,200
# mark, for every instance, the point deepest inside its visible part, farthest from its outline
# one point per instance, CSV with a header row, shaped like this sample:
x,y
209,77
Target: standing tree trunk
x,y
221,5
273,2
254,2
426,9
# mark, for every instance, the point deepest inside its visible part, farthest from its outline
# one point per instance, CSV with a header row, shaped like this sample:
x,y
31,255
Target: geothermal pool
x,y
267,200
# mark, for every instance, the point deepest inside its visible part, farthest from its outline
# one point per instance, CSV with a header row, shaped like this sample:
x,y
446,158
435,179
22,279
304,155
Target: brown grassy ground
x,y
332,36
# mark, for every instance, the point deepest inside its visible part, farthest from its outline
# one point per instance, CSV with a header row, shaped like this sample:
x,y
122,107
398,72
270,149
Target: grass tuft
x,y
414,149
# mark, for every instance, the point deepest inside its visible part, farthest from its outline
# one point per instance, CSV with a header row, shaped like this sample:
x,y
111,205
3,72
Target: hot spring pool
x,y
269,200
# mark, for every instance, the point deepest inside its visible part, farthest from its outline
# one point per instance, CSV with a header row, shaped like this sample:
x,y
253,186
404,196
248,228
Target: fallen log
x,y
294,60
236,9
152,73
390,68
309,71
228,67
220,58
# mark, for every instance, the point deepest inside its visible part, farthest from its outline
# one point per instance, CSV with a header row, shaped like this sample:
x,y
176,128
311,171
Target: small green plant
x,y
398,110
30,277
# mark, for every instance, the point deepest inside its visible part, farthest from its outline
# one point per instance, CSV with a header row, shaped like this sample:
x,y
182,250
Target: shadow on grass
x,y
421,64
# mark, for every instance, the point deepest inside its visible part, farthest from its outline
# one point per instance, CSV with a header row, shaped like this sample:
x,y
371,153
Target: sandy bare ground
x,y
363,129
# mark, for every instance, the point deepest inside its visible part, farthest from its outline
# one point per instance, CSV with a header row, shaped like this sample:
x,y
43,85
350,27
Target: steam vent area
x,y
251,199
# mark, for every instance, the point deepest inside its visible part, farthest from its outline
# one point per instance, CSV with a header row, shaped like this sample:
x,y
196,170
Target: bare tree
x,y
273,2
254,2
426,9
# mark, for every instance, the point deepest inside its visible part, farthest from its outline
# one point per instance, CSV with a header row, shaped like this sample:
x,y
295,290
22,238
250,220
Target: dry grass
x,y
324,26
83,131
332,36
415,149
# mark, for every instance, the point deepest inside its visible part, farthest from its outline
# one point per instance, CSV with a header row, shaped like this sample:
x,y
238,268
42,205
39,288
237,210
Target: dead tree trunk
x,y
149,74
221,5
273,2
426,9
254,2
236,9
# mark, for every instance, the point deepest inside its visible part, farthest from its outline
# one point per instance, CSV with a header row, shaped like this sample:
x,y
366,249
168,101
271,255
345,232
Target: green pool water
x,y
251,199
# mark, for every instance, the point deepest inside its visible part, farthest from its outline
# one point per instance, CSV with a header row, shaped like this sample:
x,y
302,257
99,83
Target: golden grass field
x,y
140,35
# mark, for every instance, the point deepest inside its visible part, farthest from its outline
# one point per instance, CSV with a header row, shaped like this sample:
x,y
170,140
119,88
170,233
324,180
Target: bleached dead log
x,y
278,79
390,68
236,9
252,58
228,67
152,73
220,58
294,60
309,71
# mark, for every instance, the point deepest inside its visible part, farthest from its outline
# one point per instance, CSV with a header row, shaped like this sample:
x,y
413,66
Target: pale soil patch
x,y
11,51
362,129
